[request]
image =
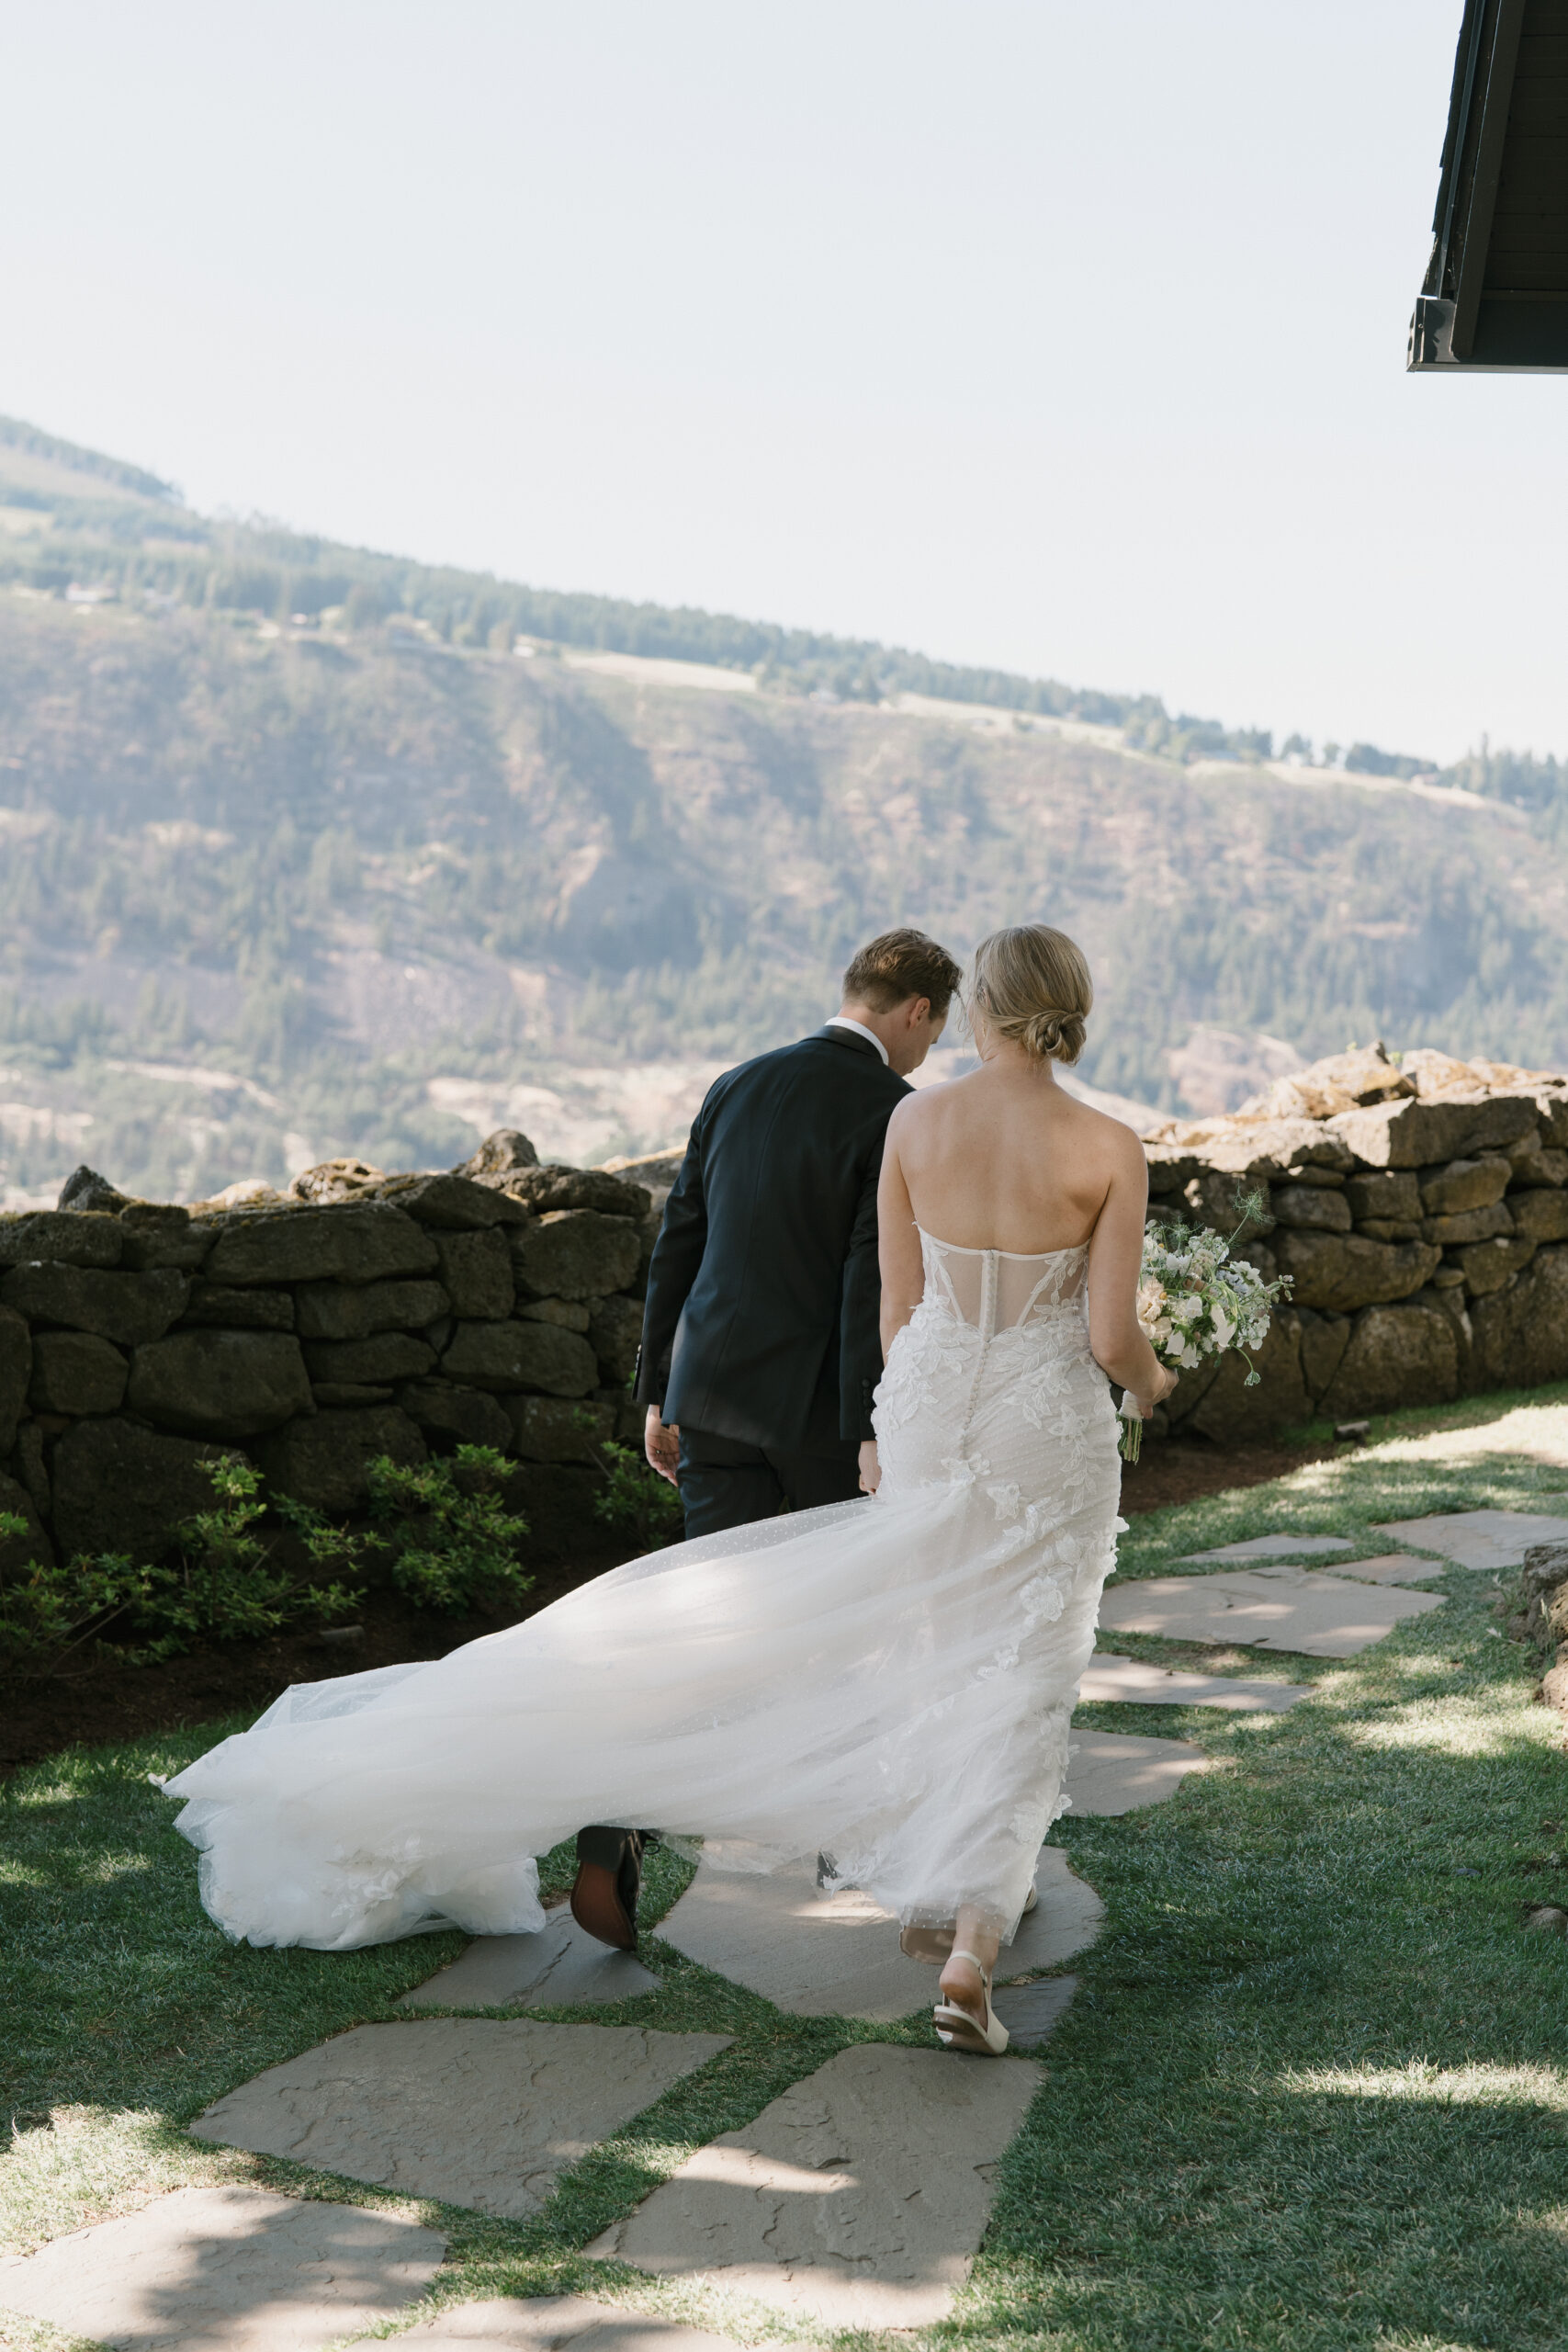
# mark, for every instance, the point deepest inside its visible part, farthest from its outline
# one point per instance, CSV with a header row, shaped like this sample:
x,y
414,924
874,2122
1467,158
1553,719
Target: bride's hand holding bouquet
x,y
1196,1300
1137,1408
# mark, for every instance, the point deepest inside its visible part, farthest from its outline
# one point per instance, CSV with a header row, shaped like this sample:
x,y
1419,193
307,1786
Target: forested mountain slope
x,y
275,889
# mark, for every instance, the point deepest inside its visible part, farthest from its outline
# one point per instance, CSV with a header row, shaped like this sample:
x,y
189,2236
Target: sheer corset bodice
x,y
977,1375
1001,1290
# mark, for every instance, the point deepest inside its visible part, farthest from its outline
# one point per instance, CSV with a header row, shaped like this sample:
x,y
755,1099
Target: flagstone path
x,y
1111,1772
1140,1684
1480,1539
1276,1547
558,1968
1391,1568
477,2111
226,2270
817,1954
1282,1607
857,2197
1032,2012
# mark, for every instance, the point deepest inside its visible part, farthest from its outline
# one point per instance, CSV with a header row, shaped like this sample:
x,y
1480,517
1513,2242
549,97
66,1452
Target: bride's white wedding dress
x,y
888,1682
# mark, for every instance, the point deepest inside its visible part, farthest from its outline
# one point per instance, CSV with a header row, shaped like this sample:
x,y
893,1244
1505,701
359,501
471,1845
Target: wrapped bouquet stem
x,y
1196,1300
1131,1440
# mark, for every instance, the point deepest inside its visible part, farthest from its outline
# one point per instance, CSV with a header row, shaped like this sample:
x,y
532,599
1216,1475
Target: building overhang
x,y
1495,298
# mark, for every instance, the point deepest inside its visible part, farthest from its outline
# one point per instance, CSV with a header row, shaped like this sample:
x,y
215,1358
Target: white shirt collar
x,y
842,1021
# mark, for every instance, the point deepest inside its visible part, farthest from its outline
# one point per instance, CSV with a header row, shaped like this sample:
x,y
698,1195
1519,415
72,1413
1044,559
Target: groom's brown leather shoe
x,y
609,1876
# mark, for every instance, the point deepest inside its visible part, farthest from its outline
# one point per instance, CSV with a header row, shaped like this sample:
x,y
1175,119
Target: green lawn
x,y
1313,2092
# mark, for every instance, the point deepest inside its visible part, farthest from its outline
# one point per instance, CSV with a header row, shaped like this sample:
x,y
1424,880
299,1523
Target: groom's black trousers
x,y
725,1483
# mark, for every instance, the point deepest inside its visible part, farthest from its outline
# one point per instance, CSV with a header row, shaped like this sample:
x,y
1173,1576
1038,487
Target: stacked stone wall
x,y
1420,1209
403,1317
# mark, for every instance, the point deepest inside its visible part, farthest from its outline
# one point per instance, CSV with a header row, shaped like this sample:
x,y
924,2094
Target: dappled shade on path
x,y
226,2270
857,2199
820,1954
473,2110
1282,1607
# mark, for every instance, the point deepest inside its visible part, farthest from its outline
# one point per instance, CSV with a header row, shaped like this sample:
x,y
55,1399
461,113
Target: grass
x,y
1312,2095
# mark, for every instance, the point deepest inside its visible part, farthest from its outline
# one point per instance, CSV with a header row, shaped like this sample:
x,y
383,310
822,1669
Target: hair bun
x,y
1032,986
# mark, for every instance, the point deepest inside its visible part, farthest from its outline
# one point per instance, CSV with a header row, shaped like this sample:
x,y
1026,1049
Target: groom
x,y
760,1347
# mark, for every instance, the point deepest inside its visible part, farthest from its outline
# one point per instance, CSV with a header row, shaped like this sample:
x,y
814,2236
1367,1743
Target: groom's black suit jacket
x,y
761,1321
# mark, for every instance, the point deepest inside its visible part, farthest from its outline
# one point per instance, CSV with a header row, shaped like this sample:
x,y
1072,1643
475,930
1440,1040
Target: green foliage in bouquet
x,y
453,1543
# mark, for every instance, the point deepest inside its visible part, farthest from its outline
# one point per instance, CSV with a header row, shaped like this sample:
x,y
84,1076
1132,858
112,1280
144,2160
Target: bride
x,y
889,1683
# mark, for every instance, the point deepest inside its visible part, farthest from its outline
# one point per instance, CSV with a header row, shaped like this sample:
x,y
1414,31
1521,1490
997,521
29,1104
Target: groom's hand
x,y
661,1443
870,1468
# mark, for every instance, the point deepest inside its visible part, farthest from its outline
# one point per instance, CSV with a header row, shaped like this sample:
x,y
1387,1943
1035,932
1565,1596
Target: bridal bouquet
x,y
1195,1300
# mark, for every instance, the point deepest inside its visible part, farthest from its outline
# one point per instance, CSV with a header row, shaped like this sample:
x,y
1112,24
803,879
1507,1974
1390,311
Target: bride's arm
x,y
1115,1257
900,1268
897,1243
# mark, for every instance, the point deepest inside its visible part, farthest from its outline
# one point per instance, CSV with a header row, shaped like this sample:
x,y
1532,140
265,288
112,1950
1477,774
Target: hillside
x,y
276,888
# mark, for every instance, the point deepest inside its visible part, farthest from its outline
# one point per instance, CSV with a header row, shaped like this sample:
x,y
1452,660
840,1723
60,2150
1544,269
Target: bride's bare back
x,y
1007,1159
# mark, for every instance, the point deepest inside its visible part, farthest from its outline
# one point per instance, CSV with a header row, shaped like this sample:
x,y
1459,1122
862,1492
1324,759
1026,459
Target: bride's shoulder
x,y
1109,1136
924,1105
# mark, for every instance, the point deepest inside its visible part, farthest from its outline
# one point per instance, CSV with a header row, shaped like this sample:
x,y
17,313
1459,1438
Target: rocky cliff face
x,y
361,1315
266,898
1420,1209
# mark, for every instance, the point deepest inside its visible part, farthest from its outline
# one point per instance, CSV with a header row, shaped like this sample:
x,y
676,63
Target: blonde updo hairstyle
x,y
1031,985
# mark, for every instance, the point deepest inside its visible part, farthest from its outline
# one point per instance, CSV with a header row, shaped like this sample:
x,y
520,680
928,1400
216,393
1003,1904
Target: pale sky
x,y
1065,337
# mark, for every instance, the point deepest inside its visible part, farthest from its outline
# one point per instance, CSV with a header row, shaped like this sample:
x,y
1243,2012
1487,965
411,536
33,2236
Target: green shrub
x,y
229,1583
453,1543
46,1613
636,1500
232,1585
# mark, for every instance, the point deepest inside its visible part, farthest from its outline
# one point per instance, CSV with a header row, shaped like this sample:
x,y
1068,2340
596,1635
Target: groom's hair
x,y
899,965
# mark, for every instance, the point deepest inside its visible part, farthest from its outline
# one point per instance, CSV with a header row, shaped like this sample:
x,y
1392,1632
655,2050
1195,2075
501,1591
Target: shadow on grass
x,y
1508,1451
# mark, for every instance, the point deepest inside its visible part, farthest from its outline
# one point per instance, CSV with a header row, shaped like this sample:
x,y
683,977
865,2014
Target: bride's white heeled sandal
x,y
960,2028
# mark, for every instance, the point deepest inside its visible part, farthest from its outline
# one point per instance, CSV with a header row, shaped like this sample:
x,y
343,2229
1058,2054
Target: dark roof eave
x,y
1505,131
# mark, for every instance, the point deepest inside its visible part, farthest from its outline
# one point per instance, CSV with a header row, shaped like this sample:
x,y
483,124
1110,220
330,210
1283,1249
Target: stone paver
x,y
1113,1771
1391,1567
1284,1608
857,2199
1275,1547
1480,1539
477,2111
558,1967
837,1955
1032,2012
226,2270
1141,1684
547,2322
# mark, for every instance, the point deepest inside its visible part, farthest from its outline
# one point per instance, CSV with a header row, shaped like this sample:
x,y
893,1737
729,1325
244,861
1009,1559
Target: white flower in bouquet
x,y
1196,1300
